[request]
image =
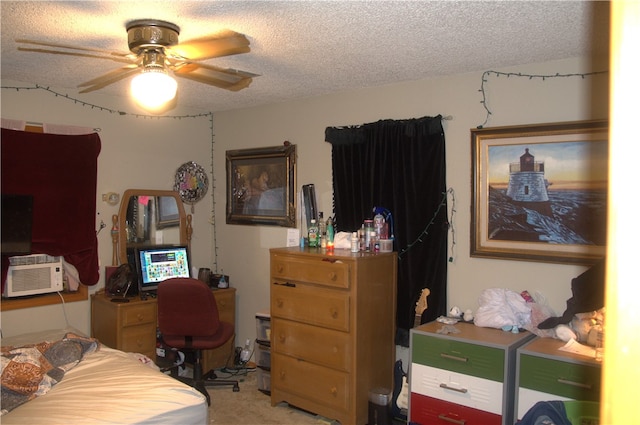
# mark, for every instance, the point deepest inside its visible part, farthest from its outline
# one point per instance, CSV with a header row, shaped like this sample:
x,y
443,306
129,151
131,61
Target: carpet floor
x,y
250,406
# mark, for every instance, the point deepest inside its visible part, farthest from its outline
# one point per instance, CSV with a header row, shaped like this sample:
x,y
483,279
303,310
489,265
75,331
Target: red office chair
x,y
188,320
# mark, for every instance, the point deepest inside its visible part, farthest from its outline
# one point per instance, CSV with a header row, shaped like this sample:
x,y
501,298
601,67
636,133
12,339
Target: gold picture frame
x,y
539,192
261,186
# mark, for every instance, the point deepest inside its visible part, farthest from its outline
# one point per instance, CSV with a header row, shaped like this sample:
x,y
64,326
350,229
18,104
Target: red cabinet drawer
x,y
431,411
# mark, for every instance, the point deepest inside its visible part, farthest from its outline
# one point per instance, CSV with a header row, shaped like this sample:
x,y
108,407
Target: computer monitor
x,y
158,263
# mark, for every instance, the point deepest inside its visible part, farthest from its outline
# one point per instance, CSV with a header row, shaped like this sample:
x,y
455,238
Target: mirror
x,y
149,217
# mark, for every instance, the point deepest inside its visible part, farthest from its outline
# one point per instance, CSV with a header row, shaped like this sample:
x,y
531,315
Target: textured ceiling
x,y
305,48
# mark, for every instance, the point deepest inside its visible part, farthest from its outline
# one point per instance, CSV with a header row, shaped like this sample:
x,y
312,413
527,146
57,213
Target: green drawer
x,y
571,380
469,359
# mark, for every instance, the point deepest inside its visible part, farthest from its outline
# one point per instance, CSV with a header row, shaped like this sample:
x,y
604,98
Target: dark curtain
x,y
398,165
60,172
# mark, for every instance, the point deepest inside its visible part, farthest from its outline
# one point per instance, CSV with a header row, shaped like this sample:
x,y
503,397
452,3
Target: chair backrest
x,y
187,306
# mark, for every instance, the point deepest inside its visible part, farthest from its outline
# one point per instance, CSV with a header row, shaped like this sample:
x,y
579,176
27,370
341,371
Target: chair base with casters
x,y
201,381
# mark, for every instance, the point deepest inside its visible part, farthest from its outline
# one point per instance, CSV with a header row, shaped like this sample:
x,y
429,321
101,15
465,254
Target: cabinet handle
x,y
288,284
450,357
460,390
574,383
448,419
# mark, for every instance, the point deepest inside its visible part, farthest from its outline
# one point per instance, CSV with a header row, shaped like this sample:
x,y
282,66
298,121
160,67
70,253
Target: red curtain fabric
x,y
60,172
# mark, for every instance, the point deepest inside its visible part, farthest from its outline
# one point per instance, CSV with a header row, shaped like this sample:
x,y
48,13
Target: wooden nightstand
x,y
130,327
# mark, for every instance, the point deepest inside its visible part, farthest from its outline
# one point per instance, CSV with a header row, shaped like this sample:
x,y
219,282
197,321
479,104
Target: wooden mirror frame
x,y
119,235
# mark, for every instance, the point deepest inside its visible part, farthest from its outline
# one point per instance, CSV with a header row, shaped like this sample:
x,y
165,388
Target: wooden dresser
x,y
463,378
131,327
333,321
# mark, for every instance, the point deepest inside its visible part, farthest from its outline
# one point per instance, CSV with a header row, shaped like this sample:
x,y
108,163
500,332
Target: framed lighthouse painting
x,y
539,192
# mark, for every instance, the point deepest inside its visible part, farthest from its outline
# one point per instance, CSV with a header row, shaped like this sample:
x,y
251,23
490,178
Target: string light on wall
x,y
425,231
208,115
487,74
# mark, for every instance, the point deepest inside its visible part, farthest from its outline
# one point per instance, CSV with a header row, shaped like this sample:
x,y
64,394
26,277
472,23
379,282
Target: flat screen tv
x,y
17,219
158,263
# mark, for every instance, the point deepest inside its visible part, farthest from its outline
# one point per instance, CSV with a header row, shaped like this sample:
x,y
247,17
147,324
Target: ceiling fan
x,y
154,48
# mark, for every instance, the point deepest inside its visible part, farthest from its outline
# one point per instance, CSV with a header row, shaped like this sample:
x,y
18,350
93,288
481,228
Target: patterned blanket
x,y
30,371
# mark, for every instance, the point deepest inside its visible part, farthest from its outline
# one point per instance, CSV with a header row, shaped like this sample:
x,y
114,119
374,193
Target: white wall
x,y
145,153
515,100
137,152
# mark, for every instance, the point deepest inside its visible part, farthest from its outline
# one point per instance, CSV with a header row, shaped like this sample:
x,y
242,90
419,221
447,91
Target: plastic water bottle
x,y
313,234
355,242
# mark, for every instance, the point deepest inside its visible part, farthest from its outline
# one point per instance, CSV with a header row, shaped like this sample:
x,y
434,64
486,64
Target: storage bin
x,y
263,327
263,356
264,380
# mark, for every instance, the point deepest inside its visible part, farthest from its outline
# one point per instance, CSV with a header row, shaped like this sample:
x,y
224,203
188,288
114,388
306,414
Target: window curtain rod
x,y
21,125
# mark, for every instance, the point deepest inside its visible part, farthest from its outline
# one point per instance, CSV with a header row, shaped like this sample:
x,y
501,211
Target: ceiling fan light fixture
x,y
153,87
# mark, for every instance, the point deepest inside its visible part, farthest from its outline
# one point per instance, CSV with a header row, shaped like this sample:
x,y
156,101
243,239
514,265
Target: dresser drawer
x,y
301,303
431,411
322,271
465,390
571,380
318,384
138,339
310,343
456,356
138,314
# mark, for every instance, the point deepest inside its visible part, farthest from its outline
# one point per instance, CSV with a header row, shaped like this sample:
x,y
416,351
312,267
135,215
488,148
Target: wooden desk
x,y
131,326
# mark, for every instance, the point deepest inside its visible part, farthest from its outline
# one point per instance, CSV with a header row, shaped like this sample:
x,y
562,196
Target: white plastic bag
x,y
499,307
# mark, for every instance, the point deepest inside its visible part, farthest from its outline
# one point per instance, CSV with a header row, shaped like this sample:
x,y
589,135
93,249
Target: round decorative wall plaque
x,y
191,182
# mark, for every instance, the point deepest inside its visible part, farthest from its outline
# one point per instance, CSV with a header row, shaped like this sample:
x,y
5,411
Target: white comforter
x,y
111,387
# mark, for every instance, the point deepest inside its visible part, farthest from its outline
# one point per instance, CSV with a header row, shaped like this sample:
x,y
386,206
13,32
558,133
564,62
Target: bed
x,y
106,386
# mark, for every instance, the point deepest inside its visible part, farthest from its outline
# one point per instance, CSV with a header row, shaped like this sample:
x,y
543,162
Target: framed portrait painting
x,y
539,192
261,186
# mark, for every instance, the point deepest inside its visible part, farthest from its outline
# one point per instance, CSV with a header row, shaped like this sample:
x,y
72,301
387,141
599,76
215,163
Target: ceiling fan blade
x,y
224,43
70,47
86,55
109,78
228,79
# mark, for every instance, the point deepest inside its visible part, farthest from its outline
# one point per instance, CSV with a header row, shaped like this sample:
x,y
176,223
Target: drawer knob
x,y
333,276
282,338
333,391
334,313
279,302
280,268
140,317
